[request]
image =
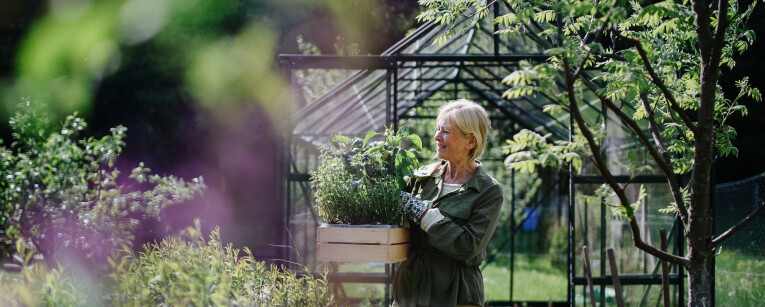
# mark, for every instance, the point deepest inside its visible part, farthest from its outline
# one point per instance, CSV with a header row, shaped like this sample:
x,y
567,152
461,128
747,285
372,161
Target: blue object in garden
x,y
530,224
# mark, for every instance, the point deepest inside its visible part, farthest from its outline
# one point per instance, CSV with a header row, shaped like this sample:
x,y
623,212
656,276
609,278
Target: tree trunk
x,y
700,254
700,281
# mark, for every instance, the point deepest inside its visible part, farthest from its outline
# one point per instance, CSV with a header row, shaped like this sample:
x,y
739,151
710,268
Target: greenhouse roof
x,y
382,89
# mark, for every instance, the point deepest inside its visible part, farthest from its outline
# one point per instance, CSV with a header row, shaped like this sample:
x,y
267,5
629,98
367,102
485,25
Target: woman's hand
x,y
413,207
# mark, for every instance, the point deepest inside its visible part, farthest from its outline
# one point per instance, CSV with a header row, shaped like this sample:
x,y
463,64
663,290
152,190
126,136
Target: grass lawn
x,y
739,279
535,279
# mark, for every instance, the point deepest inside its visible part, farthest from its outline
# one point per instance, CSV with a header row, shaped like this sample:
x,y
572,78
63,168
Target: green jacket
x,y
442,268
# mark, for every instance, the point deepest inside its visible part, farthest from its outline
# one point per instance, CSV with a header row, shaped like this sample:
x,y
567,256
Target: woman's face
x,y
451,144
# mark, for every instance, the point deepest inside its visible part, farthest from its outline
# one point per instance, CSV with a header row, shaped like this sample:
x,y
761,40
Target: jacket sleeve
x,y
464,241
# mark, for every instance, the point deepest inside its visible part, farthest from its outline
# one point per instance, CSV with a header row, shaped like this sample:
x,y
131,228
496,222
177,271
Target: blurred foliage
x,y
181,270
28,282
68,52
188,270
221,52
63,193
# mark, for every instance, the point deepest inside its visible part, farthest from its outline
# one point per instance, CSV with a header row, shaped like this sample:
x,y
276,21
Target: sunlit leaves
x,y
666,27
529,150
506,20
554,109
747,90
545,16
447,12
518,91
522,81
653,15
520,77
724,109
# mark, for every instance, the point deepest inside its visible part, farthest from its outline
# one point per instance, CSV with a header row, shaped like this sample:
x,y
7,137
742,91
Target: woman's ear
x,y
472,142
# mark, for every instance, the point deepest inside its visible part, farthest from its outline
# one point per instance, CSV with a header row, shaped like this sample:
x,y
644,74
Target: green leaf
x,y
545,16
416,141
369,136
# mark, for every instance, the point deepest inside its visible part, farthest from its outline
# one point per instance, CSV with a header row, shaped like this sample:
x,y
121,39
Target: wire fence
x,y
740,265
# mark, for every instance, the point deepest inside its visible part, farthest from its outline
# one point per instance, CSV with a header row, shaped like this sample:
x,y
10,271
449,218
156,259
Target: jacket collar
x,y
474,182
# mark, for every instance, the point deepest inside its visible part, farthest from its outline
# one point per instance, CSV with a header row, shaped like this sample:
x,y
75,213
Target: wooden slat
x,y
329,234
588,274
343,252
664,269
615,277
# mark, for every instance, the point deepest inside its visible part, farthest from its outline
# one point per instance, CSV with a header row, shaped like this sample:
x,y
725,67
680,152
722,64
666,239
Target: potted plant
x,y
357,186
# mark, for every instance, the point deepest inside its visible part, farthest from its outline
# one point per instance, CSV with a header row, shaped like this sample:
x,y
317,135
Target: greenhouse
x,y
548,216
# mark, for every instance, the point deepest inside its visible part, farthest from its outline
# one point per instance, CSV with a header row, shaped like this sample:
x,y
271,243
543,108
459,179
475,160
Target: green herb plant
x,y
187,270
358,181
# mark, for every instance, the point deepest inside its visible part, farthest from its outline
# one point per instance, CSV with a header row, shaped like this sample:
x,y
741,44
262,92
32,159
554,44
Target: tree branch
x,y
655,79
639,243
654,128
478,10
722,26
677,194
611,56
738,226
609,179
531,32
665,167
589,50
594,147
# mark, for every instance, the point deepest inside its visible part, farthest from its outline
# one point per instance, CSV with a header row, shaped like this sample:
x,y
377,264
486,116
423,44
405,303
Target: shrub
x,y
358,181
182,270
60,192
32,283
189,271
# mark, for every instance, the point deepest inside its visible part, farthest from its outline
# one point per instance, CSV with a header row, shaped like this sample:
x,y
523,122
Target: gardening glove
x,y
413,207
419,211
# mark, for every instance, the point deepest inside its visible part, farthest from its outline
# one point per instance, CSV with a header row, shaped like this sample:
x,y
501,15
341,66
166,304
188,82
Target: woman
x,y
453,207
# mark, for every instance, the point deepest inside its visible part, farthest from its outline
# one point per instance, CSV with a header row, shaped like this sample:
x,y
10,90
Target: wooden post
x,y
615,278
588,274
664,269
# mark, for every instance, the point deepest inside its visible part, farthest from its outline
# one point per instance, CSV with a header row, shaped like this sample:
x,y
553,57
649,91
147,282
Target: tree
x,y
663,60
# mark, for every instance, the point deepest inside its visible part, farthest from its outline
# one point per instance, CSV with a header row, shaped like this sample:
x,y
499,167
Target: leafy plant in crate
x,y
358,182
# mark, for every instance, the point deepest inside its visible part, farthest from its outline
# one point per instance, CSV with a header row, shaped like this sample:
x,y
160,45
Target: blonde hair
x,y
470,118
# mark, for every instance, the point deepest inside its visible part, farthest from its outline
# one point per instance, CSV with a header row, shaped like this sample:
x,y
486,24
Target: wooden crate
x,y
362,243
